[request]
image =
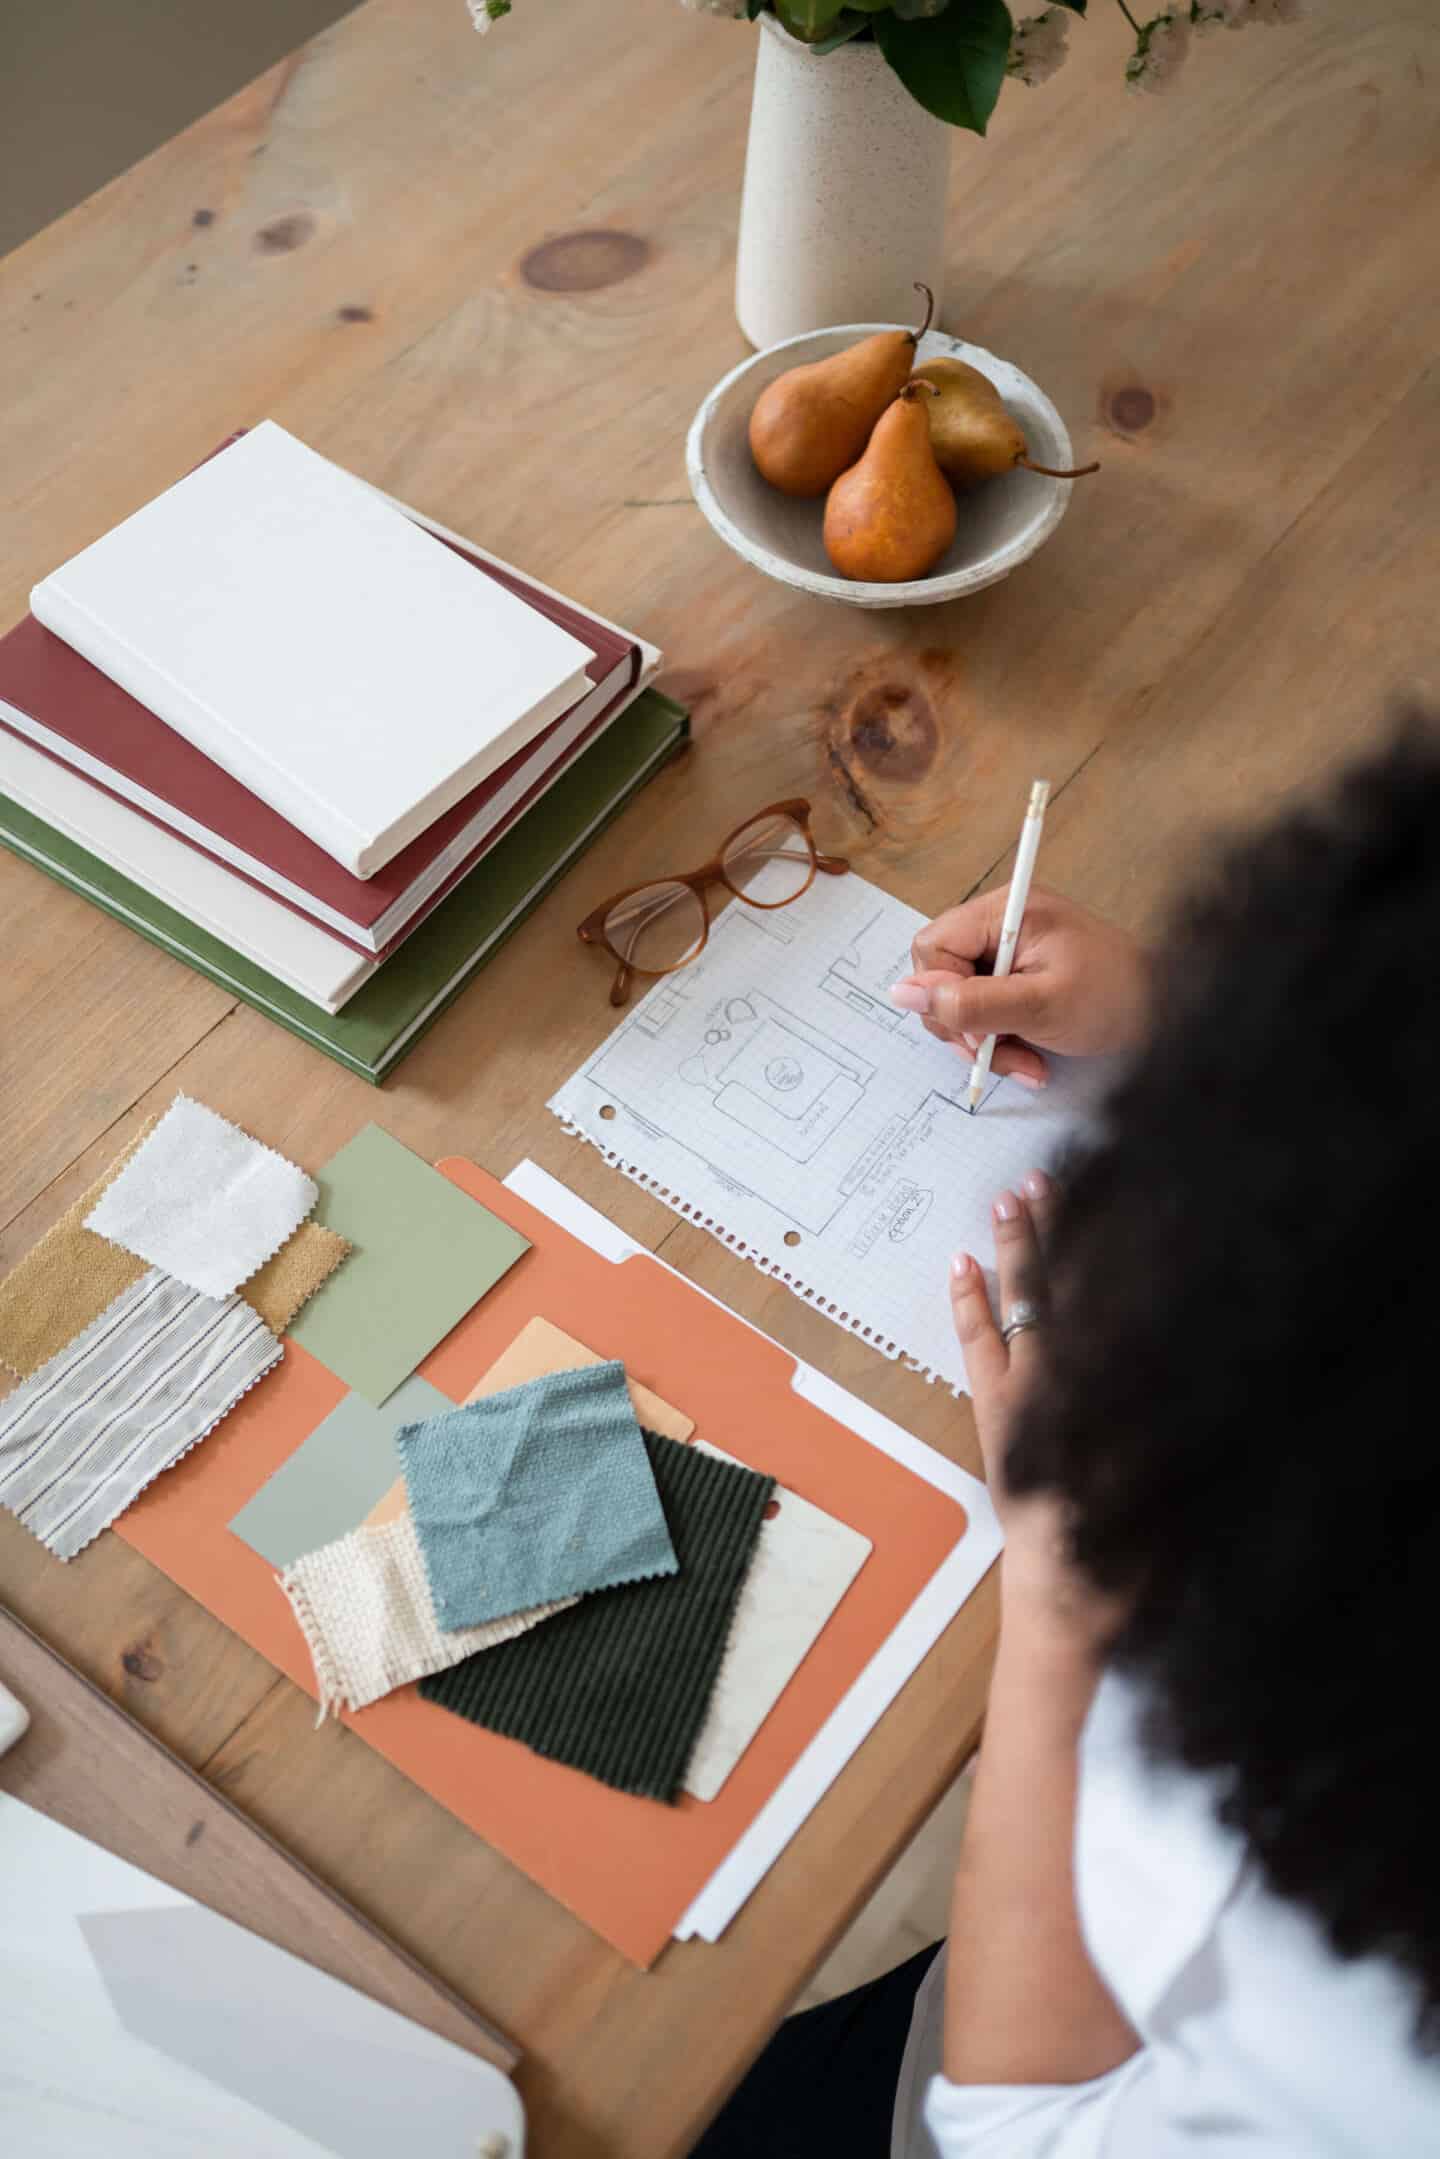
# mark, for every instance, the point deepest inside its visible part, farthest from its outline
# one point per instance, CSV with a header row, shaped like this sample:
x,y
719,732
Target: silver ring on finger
x,y
1022,1314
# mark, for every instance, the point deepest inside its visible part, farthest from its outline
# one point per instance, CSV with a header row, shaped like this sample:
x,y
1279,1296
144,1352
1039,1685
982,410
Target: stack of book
x,y
318,747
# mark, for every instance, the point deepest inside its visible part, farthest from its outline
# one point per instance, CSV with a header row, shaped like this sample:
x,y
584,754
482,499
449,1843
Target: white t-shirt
x,y
1258,2041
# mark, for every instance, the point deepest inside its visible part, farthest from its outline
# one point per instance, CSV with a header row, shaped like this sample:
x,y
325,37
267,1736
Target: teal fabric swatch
x,y
545,1491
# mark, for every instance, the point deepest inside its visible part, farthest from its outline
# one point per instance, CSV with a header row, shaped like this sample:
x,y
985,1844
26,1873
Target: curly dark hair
x,y
1237,1410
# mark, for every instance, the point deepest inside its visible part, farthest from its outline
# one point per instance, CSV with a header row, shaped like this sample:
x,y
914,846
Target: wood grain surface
x,y
496,279
87,1764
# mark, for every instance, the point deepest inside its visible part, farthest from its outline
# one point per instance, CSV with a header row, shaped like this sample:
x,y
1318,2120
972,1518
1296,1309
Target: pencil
x,y
1014,917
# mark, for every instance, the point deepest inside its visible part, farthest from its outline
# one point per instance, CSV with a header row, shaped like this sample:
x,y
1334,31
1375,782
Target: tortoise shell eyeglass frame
x,y
593,930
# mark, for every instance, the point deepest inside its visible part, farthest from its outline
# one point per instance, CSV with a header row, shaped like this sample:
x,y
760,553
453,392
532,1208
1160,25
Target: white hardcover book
x,y
289,946
315,642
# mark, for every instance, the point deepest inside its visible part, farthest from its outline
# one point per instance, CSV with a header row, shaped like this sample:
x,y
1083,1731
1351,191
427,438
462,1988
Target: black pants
x,y
826,2083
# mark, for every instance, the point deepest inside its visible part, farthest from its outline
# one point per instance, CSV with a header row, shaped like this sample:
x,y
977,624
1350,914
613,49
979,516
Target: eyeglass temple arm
x,y
832,865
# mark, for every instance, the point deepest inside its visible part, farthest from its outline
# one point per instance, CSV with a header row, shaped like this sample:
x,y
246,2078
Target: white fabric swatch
x,y
363,1604
203,1200
133,1392
804,1562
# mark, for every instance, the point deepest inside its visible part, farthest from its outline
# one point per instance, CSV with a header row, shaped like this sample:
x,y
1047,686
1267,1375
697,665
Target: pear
x,y
811,423
892,515
973,435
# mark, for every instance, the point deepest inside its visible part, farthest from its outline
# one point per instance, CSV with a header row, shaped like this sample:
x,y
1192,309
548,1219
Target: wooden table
x,y
497,280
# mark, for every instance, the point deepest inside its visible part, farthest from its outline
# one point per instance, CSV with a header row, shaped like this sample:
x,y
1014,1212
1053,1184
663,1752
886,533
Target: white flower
x,y
485,12
1038,46
1162,47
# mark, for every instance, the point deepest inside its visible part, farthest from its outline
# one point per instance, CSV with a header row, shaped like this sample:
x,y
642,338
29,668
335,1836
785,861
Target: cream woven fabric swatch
x,y
303,1264
203,1200
363,1604
66,1280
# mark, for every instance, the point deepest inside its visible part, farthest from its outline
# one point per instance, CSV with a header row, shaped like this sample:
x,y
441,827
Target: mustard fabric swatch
x,y
69,1278
306,1260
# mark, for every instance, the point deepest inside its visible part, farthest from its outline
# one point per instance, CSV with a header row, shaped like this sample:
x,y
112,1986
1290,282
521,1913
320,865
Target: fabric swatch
x,y
363,1604
303,1264
133,1392
203,1200
425,1252
542,1492
66,1280
537,1349
334,1476
804,1562
618,1687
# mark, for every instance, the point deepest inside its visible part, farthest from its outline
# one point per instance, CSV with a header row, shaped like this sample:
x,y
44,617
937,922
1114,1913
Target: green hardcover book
x,y
390,1013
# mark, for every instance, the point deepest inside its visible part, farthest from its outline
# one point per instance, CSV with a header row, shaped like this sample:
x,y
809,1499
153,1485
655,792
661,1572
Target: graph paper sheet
x,y
772,1093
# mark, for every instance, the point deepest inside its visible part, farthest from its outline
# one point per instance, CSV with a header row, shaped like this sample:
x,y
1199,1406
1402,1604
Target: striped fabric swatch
x,y
135,1389
363,1604
619,1685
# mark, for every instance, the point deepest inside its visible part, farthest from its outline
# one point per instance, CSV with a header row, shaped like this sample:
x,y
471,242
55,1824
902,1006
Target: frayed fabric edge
x,y
328,1685
188,1448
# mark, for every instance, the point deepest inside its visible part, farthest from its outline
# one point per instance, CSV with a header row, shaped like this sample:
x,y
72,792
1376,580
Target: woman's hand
x,y
1040,1586
1078,986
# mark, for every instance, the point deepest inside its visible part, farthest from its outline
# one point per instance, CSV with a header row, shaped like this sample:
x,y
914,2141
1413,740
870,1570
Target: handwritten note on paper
x,y
773,1093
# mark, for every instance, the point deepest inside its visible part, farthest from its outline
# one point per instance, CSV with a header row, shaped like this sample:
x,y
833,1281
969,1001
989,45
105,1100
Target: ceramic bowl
x,y
1001,523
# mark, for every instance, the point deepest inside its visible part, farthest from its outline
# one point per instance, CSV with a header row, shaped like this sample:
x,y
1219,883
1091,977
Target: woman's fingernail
x,y
1036,1184
1028,1079
960,1266
1007,1207
971,1043
910,996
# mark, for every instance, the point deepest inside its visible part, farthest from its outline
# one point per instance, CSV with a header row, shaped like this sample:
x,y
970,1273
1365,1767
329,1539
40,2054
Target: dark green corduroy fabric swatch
x,y
619,1684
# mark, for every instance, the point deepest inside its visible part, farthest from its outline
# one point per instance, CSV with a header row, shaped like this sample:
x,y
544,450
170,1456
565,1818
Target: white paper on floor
x,y
773,1094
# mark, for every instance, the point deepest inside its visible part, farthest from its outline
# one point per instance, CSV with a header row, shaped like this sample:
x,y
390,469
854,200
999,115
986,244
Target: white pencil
x,y
1010,927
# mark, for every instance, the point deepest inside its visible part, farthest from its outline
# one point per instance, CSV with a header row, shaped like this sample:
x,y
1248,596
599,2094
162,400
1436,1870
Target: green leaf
x,y
1076,7
755,7
809,20
952,64
918,10
847,24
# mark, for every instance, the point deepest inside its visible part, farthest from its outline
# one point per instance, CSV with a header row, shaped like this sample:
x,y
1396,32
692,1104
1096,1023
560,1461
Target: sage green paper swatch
x,y
334,1477
425,1253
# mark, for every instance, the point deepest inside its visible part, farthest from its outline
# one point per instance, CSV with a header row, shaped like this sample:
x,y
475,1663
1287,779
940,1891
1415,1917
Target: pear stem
x,y
918,382
1128,16
916,335
1050,472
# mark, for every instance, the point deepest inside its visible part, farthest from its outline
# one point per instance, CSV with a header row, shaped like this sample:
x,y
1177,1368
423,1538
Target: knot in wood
x,y
1132,408
892,731
283,234
584,261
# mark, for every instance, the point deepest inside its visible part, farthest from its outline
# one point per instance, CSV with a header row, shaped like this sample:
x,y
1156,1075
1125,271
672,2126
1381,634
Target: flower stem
x,y
1128,16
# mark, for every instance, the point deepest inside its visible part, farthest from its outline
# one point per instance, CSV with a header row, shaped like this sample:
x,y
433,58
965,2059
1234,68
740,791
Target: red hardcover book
x,y
59,702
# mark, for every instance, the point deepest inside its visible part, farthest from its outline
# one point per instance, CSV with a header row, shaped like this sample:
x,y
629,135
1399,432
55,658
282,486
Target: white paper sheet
x,y
900,1655
772,1093
135,2024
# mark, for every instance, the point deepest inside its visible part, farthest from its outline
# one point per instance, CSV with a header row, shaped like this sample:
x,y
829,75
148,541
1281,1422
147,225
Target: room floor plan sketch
x,y
773,1093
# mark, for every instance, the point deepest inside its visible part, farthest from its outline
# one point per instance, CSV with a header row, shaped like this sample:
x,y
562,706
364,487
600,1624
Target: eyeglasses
x,y
654,928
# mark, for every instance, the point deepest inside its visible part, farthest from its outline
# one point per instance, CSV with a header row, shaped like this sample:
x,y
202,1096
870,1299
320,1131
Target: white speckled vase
x,y
845,185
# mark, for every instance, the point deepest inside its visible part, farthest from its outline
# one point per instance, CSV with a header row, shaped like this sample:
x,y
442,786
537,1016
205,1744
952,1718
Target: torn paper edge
x,y
875,1337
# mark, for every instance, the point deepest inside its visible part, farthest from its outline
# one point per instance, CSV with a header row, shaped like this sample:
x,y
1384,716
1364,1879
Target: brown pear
x,y
811,423
973,435
892,515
